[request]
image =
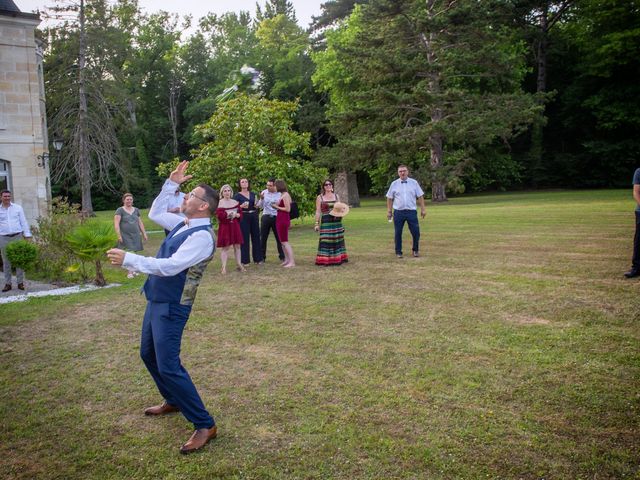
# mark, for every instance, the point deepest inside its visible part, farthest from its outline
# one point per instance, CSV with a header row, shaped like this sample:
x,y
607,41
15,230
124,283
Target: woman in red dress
x,y
229,233
283,222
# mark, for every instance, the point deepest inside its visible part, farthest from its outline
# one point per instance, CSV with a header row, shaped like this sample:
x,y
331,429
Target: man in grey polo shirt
x,y
635,260
13,226
402,196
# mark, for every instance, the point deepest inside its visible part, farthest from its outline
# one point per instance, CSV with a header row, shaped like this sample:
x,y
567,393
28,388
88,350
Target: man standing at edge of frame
x,y
635,260
13,227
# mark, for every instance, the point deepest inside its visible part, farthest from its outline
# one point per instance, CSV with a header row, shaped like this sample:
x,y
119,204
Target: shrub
x,y
90,241
255,138
22,254
55,253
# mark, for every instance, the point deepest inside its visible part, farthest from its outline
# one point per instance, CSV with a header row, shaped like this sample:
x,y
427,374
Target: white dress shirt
x,y
267,200
12,220
197,247
404,194
175,202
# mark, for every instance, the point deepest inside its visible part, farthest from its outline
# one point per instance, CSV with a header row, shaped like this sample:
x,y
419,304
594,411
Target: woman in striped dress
x,y
331,248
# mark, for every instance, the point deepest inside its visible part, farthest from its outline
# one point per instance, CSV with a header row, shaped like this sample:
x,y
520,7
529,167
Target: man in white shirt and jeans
x,y
13,226
268,197
402,196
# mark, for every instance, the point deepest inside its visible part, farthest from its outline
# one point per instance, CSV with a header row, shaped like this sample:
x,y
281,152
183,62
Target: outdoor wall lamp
x,y
44,158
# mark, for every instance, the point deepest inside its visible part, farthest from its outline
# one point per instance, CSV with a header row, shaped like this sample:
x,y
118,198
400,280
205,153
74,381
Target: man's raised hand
x,y
178,175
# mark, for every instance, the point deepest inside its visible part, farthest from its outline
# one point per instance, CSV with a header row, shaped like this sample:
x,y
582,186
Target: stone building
x,y
23,125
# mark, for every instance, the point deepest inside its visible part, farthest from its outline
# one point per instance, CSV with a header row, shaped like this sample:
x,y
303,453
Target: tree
x,y
334,11
421,79
273,8
155,84
252,137
80,71
593,121
223,44
286,67
540,16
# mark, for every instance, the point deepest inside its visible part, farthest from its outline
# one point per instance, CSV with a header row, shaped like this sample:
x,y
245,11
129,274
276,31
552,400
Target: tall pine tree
x,y
424,82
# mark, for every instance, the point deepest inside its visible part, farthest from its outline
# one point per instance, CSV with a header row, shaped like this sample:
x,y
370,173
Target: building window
x,y
5,175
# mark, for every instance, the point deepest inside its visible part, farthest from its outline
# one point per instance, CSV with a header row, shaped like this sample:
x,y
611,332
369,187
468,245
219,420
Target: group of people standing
x,y
239,226
241,233
244,235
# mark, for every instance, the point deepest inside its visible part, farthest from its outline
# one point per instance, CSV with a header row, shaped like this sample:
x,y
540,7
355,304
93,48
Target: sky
x,y
199,8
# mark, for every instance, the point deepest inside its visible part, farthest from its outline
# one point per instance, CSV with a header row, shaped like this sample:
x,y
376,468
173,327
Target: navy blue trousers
x,y
399,219
162,329
250,231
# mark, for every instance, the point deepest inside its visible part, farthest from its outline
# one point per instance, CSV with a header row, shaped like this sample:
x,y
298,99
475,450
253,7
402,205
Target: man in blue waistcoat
x,y
174,276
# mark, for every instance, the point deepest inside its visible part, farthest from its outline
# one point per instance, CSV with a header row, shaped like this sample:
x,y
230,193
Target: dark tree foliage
x,y
274,8
591,137
429,84
334,11
436,84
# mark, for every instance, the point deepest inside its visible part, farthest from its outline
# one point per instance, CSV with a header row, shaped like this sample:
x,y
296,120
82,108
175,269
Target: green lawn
x,y
509,350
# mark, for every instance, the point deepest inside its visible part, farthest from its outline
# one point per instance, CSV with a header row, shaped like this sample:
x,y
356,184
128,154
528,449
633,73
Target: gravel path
x,y
39,289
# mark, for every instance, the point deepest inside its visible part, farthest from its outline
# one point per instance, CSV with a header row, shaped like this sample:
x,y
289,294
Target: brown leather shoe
x,y
7,287
161,409
199,439
21,286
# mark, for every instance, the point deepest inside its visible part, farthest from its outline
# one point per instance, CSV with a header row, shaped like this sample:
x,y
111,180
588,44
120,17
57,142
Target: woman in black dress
x,y
249,223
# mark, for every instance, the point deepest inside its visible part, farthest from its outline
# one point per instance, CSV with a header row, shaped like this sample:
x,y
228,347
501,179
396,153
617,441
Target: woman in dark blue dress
x,y
249,223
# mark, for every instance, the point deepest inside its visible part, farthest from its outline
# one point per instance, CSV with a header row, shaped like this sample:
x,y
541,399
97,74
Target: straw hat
x,y
339,209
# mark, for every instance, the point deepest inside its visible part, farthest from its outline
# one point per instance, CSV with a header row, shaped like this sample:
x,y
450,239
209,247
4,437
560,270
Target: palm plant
x,y
89,242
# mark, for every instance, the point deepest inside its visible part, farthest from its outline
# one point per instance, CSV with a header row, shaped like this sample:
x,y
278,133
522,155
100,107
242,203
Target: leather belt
x,y
12,234
249,211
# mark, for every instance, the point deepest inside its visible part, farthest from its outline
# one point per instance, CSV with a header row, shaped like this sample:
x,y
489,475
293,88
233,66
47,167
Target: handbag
x,y
294,212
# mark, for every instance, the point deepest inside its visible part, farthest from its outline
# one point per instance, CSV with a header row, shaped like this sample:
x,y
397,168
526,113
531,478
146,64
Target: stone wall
x,y
22,116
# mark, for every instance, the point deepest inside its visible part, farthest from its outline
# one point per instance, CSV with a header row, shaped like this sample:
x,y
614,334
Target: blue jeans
x,y
160,350
268,223
411,217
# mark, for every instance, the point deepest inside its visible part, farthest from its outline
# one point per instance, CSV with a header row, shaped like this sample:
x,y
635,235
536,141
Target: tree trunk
x,y
174,96
543,42
131,108
84,156
438,186
346,187
99,281
537,134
